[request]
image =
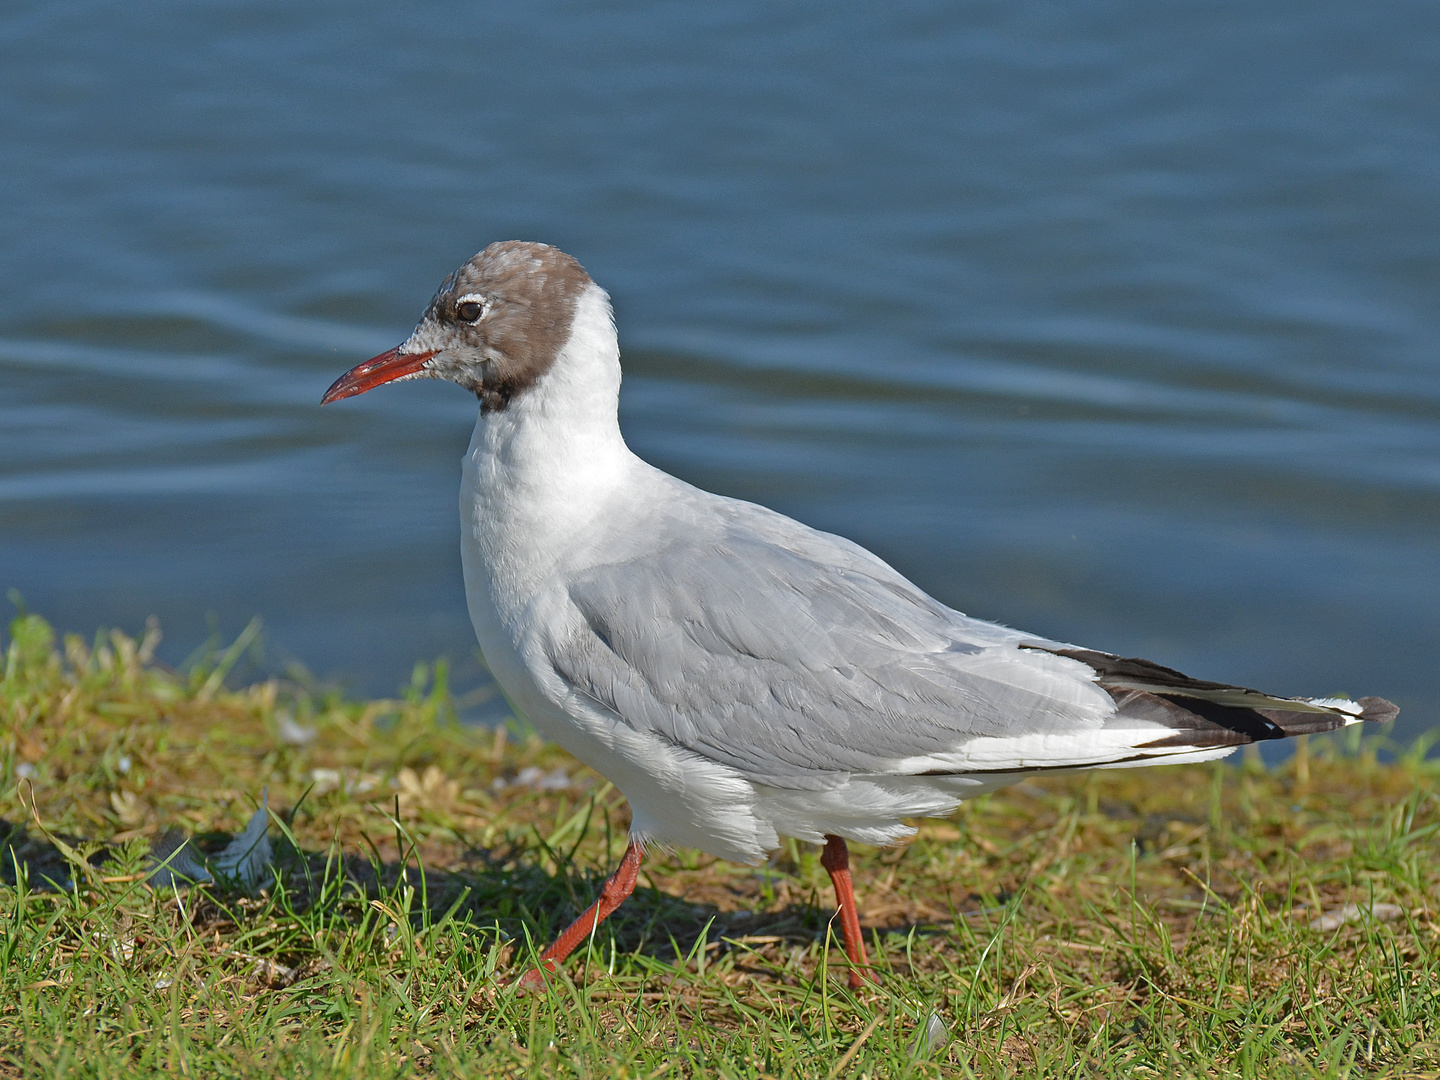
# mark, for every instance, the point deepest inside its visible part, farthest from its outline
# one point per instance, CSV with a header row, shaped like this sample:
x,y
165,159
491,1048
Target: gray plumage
x,y
796,658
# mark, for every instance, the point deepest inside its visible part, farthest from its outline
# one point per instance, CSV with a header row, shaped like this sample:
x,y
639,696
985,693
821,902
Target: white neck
x,y
539,470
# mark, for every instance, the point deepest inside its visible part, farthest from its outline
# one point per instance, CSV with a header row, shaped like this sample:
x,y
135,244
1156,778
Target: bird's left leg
x,y
836,859
619,886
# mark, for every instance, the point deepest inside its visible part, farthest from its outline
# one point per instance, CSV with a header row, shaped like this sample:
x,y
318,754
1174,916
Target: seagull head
x,y
495,326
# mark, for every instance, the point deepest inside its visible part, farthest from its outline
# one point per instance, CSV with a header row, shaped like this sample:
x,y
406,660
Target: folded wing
x,y
798,659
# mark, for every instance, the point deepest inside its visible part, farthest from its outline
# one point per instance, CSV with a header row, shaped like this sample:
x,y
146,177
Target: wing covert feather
x,y
796,660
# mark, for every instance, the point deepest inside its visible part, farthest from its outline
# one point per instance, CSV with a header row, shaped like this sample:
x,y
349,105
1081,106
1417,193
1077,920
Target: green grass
x,y
1126,923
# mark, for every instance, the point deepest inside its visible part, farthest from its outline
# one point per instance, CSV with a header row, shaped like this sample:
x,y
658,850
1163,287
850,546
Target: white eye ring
x,y
472,298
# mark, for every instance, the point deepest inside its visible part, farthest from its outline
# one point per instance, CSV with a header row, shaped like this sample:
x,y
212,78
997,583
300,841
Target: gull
x,y
737,675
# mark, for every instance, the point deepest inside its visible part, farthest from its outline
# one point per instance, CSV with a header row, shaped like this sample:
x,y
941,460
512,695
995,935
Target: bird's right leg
x,y
619,886
836,859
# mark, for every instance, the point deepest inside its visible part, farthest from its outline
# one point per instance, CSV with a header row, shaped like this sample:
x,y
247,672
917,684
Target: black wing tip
x,y
1376,710
1178,701
1200,723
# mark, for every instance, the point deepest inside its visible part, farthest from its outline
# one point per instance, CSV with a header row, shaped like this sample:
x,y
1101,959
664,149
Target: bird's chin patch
x,y
467,378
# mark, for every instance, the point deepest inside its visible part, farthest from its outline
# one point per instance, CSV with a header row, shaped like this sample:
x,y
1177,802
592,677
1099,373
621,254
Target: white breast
x,y
545,483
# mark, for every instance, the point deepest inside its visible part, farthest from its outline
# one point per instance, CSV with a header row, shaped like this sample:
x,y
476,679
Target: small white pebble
x,y
24,771
123,764
164,982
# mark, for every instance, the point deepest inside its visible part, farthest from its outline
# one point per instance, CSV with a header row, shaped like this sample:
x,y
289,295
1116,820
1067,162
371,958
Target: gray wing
x,y
796,657
791,656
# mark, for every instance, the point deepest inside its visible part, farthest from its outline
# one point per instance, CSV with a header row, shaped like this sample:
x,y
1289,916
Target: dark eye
x,y
469,311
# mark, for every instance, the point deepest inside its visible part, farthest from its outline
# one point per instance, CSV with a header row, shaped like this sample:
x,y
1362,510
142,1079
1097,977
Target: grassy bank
x,y
1158,922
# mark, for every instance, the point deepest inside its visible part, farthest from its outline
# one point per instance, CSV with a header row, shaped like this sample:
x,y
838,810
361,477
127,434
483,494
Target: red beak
x,y
378,369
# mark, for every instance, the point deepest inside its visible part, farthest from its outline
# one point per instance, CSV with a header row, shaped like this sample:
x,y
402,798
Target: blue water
x,y
1114,321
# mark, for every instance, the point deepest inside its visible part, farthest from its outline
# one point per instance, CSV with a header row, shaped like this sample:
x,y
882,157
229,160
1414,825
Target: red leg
x,y
612,895
836,859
